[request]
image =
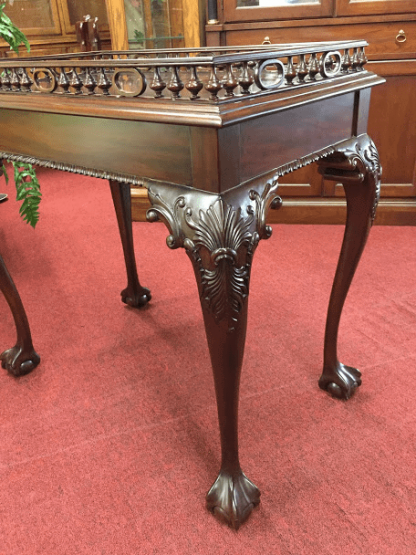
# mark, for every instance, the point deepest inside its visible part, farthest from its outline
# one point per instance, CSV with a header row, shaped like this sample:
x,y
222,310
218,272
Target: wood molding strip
x,y
309,211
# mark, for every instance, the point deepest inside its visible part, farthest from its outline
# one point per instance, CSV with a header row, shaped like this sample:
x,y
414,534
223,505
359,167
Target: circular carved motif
x,y
129,81
270,78
44,80
331,64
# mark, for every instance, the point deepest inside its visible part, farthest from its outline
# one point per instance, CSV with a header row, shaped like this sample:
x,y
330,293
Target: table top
x,y
207,118
205,86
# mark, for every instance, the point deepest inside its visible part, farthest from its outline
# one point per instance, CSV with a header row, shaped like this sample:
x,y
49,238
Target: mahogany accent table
x,y
208,133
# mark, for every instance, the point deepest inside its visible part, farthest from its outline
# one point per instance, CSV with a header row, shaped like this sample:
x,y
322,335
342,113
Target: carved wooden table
x,y
208,133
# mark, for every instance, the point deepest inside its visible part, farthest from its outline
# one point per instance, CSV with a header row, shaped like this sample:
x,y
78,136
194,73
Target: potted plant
x,y
26,181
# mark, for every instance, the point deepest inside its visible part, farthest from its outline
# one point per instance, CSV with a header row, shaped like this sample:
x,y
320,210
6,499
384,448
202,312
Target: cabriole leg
x,y
22,358
355,164
134,295
220,234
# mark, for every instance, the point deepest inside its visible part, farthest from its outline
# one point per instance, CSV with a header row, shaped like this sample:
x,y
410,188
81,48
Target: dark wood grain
x,y
232,12
267,144
349,7
230,157
381,36
361,111
135,148
205,162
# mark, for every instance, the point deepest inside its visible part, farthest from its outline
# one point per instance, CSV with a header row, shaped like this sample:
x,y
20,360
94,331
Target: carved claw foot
x,y
232,498
18,361
136,300
341,381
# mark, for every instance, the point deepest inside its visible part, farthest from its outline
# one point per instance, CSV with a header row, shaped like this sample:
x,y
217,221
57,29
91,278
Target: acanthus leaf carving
x,y
223,232
220,236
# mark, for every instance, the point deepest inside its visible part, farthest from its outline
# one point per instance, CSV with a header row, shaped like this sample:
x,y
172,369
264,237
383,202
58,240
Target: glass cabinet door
x,y
155,23
263,10
34,17
75,10
368,7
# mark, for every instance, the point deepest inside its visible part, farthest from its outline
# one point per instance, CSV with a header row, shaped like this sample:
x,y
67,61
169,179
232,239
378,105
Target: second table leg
x,y
355,164
134,294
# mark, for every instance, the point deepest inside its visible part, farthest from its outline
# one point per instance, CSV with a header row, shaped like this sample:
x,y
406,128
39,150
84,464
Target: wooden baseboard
x,y
310,211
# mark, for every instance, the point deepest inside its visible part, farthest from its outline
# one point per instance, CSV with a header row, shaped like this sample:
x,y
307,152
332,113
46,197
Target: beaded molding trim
x,y
122,178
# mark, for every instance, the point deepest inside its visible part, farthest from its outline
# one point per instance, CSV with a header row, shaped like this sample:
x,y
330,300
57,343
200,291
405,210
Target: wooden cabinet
x,y
382,7
390,29
263,10
140,24
50,24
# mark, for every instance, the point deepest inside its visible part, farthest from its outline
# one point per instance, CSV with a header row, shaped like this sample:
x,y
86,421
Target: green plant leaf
x,y
3,171
139,36
27,191
10,33
26,181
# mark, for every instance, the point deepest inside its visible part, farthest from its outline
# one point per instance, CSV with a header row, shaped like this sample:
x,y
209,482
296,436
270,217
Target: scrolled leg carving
x,y
355,164
22,358
220,234
134,294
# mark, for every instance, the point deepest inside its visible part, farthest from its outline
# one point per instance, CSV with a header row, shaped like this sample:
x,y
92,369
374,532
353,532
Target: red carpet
x,y
111,444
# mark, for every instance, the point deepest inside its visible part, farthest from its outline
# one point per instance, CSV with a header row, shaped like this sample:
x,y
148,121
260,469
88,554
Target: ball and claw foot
x,y
136,300
232,498
341,381
19,361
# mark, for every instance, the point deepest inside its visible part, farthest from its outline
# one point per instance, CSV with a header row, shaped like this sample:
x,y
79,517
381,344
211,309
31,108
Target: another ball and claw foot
x,y
137,299
19,361
232,498
341,381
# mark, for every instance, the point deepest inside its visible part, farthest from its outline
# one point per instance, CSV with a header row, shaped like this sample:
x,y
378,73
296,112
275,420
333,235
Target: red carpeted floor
x,y
111,444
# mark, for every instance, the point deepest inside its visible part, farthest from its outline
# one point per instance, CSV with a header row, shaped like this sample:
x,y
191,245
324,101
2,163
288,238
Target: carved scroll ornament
x,y
354,161
368,157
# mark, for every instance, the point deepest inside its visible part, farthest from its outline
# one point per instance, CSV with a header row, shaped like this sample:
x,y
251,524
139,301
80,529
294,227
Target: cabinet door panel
x,y
75,10
392,125
381,37
368,7
155,24
254,10
34,17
